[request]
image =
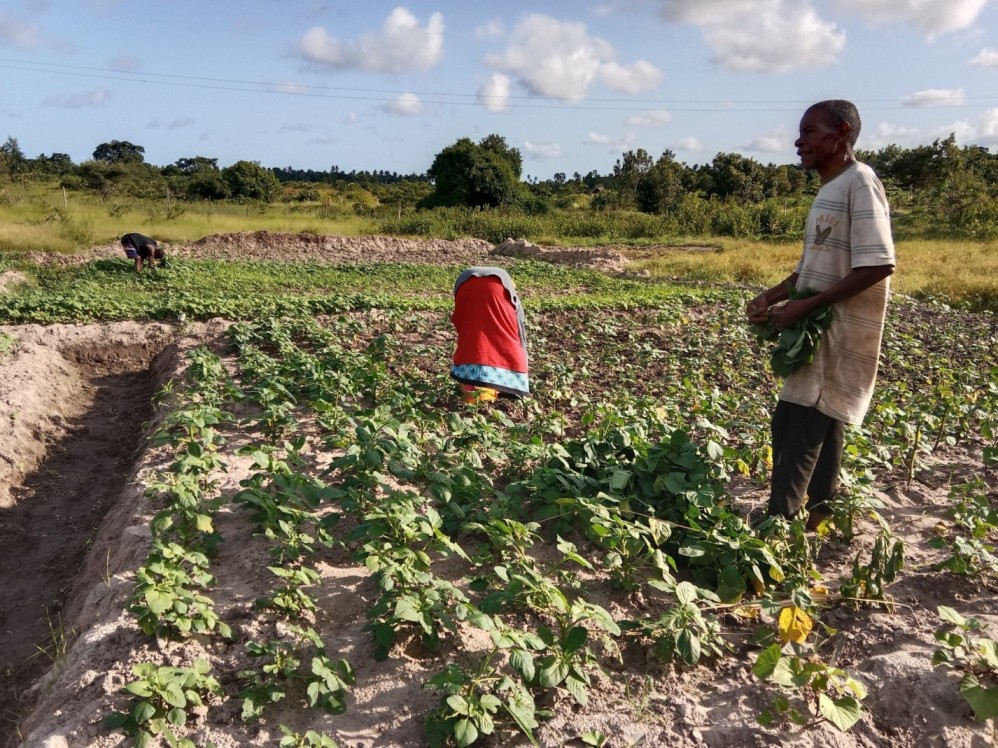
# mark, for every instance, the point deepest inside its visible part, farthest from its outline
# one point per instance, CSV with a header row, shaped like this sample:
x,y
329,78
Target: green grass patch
x,y
199,289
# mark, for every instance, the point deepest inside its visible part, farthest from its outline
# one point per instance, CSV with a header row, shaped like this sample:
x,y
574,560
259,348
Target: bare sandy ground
x,y
283,247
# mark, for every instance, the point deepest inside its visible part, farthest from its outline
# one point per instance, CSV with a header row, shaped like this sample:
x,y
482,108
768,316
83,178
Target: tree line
x,y
941,188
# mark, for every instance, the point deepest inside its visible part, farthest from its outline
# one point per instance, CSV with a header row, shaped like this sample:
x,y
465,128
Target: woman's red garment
x,y
491,339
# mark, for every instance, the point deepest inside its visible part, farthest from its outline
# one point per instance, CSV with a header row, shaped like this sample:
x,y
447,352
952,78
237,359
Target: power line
x,y
378,95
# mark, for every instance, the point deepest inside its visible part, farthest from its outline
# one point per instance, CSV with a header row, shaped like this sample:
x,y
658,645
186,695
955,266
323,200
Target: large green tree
x,y
660,188
248,179
486,174
58,164
120,152
199,178
627,173
195,164
732,175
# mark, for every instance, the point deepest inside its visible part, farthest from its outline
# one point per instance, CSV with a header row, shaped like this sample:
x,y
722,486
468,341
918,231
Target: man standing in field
x,y
848,258
142,249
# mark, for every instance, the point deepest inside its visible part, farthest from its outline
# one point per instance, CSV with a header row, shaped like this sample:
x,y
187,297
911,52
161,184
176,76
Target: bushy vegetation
x,y
475,189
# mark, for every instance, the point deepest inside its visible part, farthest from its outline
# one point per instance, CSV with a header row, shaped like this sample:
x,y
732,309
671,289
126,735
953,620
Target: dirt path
x,y
46,533
44,537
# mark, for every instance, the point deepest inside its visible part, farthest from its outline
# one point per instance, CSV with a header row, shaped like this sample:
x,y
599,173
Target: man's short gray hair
x,y
839,111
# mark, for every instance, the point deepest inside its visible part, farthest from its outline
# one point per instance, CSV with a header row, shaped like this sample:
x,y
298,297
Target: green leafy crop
x,y
797,345
160,698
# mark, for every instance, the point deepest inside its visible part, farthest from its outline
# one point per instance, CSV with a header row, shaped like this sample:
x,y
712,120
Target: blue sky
x,y
572,84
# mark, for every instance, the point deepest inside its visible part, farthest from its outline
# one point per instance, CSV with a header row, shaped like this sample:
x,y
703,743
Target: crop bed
x,y
315,542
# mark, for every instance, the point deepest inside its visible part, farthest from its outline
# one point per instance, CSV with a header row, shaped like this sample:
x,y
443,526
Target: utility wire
x,y
529,102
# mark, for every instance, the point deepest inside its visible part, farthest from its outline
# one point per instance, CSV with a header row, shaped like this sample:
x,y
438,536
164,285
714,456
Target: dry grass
x,y
958,270
954,269
43,217
23,237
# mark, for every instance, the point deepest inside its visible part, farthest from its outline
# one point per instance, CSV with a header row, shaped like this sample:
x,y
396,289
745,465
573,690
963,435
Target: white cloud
x,y
494,93
294,127
887,134
541,150
491,29
613,144
987,58
983,132
774,36
560,59
774,142
405,105
180,122
689,143
963,130
351,118
402,45
934,97
19,34
634,78
92,99
934,17
653,118
987,128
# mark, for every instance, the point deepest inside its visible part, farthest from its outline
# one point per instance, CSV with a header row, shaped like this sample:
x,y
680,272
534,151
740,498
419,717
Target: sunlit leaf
x,y
843,713
984,701
794,625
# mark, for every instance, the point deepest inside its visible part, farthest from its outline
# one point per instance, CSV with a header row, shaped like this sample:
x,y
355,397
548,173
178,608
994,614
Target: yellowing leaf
x,y
819,589
940,529
747,612
794,625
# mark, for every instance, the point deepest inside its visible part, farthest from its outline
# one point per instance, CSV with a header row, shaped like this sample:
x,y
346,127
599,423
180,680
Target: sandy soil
x,y
75,416
281,247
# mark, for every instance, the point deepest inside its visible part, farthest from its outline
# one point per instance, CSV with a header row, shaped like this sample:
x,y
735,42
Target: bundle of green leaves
x,y
797,345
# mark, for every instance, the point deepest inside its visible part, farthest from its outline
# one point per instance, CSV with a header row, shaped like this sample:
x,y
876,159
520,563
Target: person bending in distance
x,y
491,355
848,258
142,249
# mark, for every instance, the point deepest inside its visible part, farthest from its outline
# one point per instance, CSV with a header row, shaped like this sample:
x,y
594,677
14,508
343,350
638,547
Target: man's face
x,y
819,141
